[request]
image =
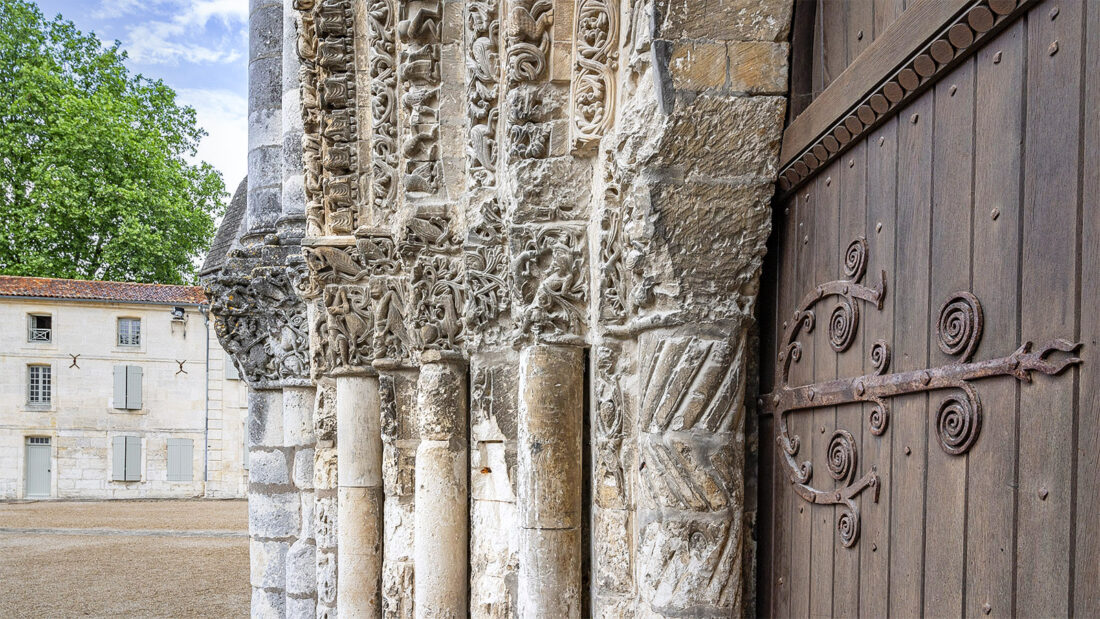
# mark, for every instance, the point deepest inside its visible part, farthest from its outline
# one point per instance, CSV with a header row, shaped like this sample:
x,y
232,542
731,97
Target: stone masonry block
x,y
267,603
268,467
267,564
724,20
758,67
697,66
301,569
273,515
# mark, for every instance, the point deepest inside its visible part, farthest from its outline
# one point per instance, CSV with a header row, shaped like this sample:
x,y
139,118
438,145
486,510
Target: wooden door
x,y
38,467
930,382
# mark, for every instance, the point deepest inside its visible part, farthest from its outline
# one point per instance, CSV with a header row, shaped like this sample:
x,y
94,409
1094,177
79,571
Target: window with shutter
x,y
39,328
126,458
180,451
128,387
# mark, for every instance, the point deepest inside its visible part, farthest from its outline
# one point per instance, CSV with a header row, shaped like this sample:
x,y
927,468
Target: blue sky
x,y
198,47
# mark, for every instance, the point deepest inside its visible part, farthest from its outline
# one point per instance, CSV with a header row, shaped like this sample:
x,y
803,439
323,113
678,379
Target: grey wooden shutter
x,y
133,387
180,452
120,387
118,456
231,372
133,458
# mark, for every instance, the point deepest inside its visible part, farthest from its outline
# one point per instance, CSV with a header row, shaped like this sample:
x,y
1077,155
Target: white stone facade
x,y
193,400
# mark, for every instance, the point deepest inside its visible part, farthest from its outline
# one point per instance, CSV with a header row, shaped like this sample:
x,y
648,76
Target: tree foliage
x,y
95,181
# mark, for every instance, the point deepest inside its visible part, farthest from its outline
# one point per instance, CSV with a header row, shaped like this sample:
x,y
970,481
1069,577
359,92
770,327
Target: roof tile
x,y
49,288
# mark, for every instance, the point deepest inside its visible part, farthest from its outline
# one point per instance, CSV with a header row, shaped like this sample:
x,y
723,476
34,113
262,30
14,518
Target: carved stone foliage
x,y
614,275
438,293
262,323
419,33
550,280
382,62
596,60
482,35
487,275
328,108
349,328
389,298
610,479
528,135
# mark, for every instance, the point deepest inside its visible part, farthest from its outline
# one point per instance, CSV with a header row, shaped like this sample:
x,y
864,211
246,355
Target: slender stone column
x,y
265,152
359,511
549,488
440,522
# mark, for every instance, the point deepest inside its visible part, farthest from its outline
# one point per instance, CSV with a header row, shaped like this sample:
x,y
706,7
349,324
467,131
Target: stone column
x,y
272,503
440,521
298,440
265,151
551,411
359,504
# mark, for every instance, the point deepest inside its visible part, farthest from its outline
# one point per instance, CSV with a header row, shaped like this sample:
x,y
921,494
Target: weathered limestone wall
x,y
532,234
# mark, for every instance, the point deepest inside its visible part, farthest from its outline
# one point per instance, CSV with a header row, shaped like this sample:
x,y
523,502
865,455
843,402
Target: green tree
x,y
95,181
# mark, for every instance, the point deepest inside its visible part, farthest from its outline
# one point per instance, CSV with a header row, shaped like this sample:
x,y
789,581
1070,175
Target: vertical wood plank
x,y
874,547
952,177
834,43
825,268
861,27
1086,601
1048,281
801,423
781,491
991,476
853,215
908,419
886,11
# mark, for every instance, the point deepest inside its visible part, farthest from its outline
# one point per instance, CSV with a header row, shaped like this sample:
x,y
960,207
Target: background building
x,y
111,390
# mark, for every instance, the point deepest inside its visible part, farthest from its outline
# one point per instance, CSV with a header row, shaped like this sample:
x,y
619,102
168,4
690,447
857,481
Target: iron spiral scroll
x,y
958,417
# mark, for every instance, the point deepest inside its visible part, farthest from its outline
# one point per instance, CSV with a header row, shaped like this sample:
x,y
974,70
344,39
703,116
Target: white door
x,y
38,466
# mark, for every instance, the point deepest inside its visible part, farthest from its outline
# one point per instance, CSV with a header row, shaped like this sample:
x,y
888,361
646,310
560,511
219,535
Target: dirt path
x,y
147,559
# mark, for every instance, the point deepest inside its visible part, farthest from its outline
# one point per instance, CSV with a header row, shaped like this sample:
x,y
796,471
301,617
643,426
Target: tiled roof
x,y
228,231
124,292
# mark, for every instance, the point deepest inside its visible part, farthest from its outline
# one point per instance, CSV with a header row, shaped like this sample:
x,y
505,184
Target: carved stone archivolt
x,y
958,416
595,63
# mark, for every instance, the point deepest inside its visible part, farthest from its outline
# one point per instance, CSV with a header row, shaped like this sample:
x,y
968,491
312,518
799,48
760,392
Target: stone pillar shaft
x,y
265,151
440,536
359,504
550,477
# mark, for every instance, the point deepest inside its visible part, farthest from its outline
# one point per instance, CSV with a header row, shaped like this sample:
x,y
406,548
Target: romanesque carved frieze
x,y
439,297
348,342
428,231
261,322
371,255
528,40
958,417
382,63
419,31
550,280
595,63
482,37
389,298
614,275
488,289
328,96
311,118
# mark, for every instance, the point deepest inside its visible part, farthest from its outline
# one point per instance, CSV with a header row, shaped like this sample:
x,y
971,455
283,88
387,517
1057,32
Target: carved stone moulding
x,y
549,282
958,417
595,63
482,45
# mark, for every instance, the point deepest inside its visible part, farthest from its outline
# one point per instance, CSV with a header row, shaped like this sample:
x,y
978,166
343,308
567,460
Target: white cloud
x,y
178,32
224,116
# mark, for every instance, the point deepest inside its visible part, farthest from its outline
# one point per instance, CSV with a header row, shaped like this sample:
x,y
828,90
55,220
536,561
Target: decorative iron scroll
x,y
958,417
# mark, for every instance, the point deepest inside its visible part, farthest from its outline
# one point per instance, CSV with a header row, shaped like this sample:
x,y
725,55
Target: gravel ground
x,y
115,573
